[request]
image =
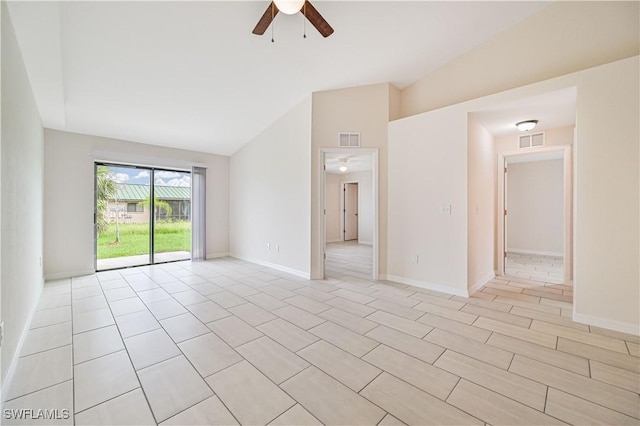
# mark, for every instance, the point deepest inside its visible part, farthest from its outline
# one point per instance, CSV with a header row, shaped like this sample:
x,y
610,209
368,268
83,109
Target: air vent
x,y
531,141
349,140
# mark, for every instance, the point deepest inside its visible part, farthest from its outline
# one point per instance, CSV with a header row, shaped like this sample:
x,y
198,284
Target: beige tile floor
x,y
535,267
227,342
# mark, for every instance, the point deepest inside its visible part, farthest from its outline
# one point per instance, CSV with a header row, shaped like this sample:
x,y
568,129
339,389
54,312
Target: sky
x,y
129,175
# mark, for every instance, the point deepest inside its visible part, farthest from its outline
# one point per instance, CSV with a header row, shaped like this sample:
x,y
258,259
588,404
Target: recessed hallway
x,y
225,341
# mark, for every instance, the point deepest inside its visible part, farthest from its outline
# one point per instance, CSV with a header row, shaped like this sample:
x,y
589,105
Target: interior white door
x,y
350,191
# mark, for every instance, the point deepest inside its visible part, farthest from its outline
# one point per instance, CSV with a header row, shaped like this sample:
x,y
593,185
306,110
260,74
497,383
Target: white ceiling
x,y
356,162
191,75
552,109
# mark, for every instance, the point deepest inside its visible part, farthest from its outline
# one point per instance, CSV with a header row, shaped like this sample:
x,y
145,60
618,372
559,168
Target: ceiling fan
x,y
292,7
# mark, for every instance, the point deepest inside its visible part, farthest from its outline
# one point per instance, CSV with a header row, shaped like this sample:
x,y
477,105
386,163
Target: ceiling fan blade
x,y
316,19
266,19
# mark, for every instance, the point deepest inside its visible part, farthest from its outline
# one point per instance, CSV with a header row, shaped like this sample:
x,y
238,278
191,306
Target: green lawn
x,y
134,239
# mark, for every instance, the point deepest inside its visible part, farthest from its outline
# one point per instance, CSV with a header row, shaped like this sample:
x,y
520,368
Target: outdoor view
x,y
126,216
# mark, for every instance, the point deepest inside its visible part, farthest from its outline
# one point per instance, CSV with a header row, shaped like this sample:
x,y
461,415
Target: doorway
x,y
142,215
350,213
535,201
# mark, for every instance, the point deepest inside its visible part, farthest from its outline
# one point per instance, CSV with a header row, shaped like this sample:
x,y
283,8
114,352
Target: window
x,y
135,208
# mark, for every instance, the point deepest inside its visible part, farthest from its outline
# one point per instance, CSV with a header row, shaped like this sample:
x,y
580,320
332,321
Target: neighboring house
x,y
129,203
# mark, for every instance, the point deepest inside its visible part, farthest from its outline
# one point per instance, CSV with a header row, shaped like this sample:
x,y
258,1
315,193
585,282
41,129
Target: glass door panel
x,y
122,216
172,216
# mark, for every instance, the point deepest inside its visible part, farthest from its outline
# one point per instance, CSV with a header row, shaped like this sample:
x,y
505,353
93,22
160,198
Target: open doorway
x,y
533,216
142,216
349,213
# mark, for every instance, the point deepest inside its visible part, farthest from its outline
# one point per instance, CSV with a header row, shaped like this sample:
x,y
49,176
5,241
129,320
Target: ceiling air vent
x,y
349,140
531,141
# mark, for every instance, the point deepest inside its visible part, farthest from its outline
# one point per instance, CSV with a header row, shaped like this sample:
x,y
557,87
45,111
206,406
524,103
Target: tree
x,y
105,191
158,205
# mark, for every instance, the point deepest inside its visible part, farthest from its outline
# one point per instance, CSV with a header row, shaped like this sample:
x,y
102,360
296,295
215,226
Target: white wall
x,y
271,194
428,157
534,205
69,194
563,38
21,202
428,169
552,137
607,197
332,196
481,205
364,109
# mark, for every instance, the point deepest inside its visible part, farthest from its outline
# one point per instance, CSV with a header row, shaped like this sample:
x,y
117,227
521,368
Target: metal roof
x,y
134,192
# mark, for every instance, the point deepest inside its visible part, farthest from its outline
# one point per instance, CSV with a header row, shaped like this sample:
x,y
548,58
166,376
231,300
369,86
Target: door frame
x,y
343,206
321,244
152,170
567,206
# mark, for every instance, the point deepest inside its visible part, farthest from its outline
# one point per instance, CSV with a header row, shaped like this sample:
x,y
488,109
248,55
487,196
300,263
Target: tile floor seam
x,y
572,394
130,361
38,390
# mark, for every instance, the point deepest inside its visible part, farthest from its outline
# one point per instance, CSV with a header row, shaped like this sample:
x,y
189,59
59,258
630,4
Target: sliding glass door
x,y
142,216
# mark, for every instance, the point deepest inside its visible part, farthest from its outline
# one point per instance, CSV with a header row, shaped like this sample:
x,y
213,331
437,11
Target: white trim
x,y
6,383
481,282
72,274
367,243
539,252
429,286
624,327
217,255
334,241
127,159
275,266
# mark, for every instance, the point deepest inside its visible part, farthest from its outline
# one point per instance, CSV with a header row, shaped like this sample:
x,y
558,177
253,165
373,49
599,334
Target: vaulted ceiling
x,y
191,75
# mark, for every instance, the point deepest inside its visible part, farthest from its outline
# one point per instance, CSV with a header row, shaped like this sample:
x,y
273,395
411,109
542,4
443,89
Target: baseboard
x,y
217,255
72,274
624,327
481,282
426,285
297,273
368,243
538,252
333,241
6,384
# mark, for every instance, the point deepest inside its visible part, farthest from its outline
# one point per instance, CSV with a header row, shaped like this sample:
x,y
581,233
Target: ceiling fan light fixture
x,y
289,7
527,125
343,164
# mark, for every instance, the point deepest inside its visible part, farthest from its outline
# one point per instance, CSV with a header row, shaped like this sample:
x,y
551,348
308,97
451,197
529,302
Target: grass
x,y
134,239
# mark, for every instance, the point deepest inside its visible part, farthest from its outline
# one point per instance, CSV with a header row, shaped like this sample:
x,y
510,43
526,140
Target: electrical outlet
x,y
268,246
445,209
415,259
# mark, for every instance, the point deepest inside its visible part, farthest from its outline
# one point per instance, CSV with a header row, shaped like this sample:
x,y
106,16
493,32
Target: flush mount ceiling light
x,y
525,126
343,164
